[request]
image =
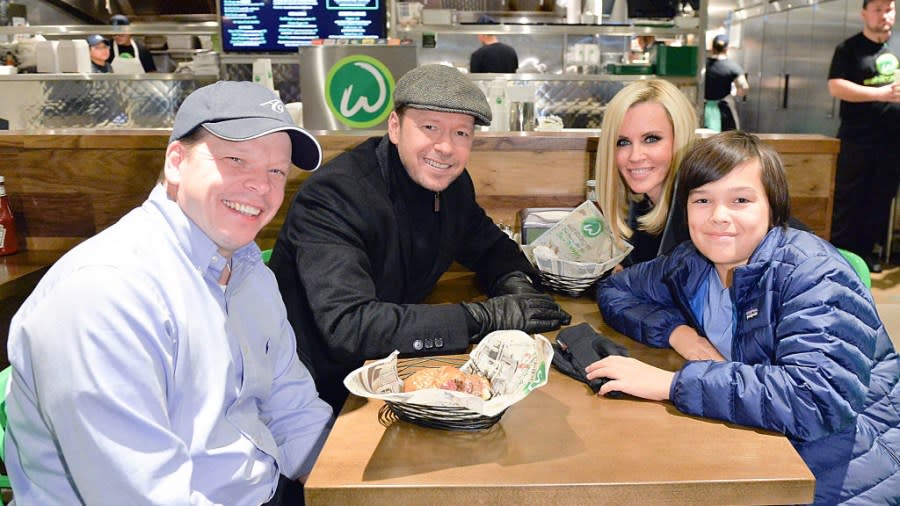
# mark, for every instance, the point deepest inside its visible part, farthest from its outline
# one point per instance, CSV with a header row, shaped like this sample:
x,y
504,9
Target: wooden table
x,y
560,445
20,272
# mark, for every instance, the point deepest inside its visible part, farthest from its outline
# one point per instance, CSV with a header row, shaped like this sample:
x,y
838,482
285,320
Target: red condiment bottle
x,y
9,239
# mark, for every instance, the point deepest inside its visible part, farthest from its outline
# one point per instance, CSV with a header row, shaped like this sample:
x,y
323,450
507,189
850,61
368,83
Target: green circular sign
x,y
591,227
358,91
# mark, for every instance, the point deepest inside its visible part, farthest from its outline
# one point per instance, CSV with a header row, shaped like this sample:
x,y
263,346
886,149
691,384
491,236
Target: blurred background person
x,y
99,48
493,56
868,171
125,48
720,113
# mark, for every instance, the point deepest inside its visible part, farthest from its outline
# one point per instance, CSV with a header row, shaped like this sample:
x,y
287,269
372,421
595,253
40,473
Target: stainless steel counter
x,y
39,101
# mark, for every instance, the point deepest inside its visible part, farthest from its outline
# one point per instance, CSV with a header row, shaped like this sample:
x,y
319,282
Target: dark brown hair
x,y
715,157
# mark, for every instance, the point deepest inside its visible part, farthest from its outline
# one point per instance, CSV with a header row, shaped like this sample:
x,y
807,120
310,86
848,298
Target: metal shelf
x,y
202,28
552,29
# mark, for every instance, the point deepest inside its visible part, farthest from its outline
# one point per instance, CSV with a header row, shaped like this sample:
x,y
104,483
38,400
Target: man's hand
x,y
529,313
515,282
891,92
631,376
692,346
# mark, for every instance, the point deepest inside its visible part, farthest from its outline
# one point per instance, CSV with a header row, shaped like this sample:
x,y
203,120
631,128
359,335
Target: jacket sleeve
x,y
334,224
637,302
822,334
486,249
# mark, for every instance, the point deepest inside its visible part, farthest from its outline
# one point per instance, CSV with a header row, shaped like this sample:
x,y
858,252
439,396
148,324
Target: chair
x,y
4,391
859,265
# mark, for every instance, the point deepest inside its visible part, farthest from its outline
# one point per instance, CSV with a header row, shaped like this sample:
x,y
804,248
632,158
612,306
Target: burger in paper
x,y
501,370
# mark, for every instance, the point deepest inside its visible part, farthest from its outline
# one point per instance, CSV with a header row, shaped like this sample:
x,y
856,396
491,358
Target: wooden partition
x,y
67,186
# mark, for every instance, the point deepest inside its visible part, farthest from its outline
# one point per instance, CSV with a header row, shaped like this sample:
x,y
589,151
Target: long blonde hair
x,y
613,194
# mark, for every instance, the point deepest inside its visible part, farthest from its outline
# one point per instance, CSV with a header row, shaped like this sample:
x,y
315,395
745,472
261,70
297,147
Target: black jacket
x,y
360,249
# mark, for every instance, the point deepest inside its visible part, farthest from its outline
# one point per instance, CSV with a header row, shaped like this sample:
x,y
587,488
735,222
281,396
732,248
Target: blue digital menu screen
x,y
260,26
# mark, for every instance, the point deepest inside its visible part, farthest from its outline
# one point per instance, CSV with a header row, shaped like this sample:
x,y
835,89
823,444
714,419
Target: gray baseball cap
x,y
241,111
93,40
441,88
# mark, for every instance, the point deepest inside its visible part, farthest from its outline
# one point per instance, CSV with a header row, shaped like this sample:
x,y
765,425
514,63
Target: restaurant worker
x,y
99,48
646,131
863,75
367,238
154,363
778,330
127,56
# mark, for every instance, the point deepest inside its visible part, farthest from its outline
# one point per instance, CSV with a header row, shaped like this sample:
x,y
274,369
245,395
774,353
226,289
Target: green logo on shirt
x,y
358,91
885,64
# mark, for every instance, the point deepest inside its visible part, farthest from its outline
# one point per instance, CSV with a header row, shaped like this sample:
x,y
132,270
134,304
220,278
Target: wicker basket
x,y
438,417
565,285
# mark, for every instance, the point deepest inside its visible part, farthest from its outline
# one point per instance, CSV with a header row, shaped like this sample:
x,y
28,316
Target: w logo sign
x,y
358,91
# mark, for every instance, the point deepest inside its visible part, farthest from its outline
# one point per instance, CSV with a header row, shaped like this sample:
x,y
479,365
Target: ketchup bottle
x,y
9,240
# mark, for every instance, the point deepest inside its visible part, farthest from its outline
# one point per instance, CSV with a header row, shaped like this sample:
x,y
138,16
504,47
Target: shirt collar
x,y
201,250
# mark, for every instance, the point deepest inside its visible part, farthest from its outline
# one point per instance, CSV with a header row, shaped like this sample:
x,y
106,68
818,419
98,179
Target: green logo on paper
x,y
539,378
591,227
358,91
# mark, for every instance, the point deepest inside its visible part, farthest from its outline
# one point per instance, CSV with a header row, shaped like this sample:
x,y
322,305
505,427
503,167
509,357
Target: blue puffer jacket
x,y
812,359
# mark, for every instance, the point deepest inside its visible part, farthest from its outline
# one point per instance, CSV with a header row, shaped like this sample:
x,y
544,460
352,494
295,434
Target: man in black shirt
x,y
721,113
493,55
863,75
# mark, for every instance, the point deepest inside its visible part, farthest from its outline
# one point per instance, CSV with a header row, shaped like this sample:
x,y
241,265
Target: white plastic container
x,y
74,56
47,56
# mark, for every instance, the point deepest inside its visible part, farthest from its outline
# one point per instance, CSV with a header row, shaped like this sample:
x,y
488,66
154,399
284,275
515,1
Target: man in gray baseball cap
x,y
183,340
368,236
240,111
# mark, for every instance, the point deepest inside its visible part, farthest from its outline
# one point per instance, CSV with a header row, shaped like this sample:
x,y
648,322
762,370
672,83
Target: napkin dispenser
x,y
534,221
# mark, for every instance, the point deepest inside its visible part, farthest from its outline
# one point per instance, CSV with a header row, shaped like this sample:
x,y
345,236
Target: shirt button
x,y
418,344
429,344
438,342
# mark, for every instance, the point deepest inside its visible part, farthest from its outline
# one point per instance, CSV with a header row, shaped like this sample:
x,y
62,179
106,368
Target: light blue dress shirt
x,y
138,380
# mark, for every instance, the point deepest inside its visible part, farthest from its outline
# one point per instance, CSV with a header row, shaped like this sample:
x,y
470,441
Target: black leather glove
x,y
515,282
529,313
580,346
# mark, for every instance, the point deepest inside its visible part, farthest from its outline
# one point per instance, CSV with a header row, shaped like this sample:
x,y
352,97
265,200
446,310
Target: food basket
x,y
514,362
577,251
438,417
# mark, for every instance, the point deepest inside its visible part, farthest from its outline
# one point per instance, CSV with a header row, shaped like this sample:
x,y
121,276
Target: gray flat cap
x,y
441,88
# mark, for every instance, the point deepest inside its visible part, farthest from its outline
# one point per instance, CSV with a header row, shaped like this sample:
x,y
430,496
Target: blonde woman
x,y
647,128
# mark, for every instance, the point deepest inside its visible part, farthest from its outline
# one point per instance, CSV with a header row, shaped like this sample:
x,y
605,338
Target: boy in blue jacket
x,y
777,328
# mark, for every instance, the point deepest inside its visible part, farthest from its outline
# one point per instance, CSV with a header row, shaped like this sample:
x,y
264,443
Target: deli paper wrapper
x,y
515,363
578,246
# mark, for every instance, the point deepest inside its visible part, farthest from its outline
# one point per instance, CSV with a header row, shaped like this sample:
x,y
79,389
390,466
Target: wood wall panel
x,y
69,185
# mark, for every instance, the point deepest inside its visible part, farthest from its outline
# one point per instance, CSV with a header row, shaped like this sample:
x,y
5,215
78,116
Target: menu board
x,y
260,26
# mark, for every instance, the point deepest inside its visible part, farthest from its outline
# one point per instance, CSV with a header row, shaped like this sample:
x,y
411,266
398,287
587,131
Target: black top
x,y
720,73
362,246
868,63
494,58
100,69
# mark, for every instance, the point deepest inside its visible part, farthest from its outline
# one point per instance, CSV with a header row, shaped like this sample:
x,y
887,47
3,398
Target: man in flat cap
x,y
367,238
153,363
